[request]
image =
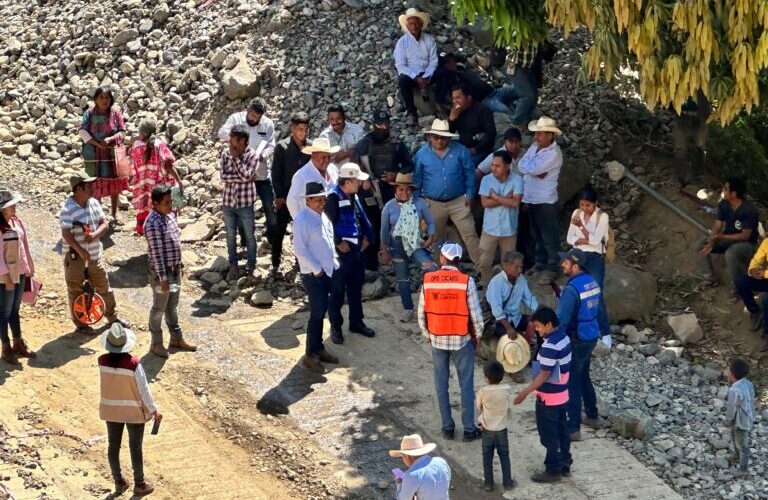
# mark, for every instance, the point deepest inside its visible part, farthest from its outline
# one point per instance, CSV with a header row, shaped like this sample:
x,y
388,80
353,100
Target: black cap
x,y
574,255
512,133
381,116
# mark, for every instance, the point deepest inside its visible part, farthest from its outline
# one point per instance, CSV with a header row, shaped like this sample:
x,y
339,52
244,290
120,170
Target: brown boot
x,y
312,364
21,349
181,344
159,351
143,489
9,356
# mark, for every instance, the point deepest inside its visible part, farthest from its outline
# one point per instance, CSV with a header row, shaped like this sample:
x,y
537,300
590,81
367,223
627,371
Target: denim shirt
x,y
740,405
428,478
446,178
391,214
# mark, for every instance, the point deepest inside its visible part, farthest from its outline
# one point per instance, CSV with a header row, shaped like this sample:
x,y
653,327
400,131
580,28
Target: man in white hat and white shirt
x,y
415,58
451,319
445,176
319,168
316,253
352,233
540,167
427,477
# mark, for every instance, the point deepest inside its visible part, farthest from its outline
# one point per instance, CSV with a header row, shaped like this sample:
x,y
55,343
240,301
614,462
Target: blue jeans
x,y
317,289
349,279
741,443
595,265
546,232
554,436
10,302
580,386
498,441
747,286
240,219
401,263
502,100
464,360
527,93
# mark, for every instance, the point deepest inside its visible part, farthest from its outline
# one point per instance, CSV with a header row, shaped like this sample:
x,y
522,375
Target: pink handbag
x,y
32,289
122,161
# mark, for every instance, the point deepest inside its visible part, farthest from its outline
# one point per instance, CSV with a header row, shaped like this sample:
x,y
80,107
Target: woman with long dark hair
x,y
16,267
101,130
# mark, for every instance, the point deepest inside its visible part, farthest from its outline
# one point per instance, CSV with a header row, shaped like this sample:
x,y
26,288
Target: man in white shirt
x,y
540,167
318,169
315,250
262,140
341,133
415,58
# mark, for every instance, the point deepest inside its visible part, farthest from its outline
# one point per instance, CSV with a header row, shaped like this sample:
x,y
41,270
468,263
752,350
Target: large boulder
x,y
629,294
201,230
632,423
574,175
684,327
240,82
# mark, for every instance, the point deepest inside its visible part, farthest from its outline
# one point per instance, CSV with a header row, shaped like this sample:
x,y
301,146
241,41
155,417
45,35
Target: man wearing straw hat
x,y
315,250
451,319
427,477
319,168
540,167
445,175
415,59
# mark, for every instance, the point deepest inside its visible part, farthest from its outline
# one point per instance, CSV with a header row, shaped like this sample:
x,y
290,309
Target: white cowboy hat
x,y
118,339
412,446
440,127
544,124
320,145
513,355
352,171
8,198
413,13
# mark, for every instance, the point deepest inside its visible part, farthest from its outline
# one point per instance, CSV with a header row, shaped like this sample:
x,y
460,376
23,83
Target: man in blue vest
x,y
352,233
577,311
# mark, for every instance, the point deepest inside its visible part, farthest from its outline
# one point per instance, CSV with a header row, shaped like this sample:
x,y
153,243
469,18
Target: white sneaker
x,y
407,316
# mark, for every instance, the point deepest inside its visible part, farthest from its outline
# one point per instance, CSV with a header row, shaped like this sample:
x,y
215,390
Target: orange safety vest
x,y
445,302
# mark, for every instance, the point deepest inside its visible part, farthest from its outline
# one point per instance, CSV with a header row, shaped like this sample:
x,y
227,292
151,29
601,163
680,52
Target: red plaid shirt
x,y
238,176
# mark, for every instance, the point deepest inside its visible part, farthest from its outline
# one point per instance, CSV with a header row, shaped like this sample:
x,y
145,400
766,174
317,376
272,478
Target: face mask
x,y
381,134
251,123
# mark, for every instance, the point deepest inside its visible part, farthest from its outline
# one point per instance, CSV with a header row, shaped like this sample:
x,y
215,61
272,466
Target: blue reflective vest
x,y
585,321
346,224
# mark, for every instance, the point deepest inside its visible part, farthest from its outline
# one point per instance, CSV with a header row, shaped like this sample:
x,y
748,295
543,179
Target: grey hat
x,y
8,198
78,178
118,339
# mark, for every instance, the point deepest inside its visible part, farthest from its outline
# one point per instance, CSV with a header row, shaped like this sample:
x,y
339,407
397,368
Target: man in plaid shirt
x,y
237,167
162,235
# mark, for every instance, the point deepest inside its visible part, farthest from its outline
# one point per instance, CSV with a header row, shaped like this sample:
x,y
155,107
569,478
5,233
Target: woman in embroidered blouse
x,y
101,130
404,220
16,267
153,164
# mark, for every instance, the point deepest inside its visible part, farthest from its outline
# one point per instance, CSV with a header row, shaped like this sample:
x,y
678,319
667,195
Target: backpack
x,y
609,241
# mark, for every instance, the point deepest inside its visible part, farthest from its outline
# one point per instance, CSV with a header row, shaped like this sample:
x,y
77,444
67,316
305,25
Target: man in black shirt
x,y
734,234
473,121
382,157
287,159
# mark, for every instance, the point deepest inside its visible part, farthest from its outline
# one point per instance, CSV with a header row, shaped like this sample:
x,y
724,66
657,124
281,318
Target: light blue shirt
x,y
446,178
429,478
548,162
391,213
414,57
313,243
499,289
740,405
501,220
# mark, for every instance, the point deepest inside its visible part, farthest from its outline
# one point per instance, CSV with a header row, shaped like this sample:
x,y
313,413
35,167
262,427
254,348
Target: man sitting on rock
x,y
382,157
341,133
473,121
415,59
734,234
756,281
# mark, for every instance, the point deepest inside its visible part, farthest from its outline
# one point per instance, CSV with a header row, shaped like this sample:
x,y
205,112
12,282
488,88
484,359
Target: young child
x,y
550,385
740,411
493,402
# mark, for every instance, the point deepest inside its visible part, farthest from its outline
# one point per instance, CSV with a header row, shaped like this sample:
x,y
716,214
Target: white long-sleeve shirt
x,y
144,392
308,173
313,243
597,227
263,132
413,57
535,162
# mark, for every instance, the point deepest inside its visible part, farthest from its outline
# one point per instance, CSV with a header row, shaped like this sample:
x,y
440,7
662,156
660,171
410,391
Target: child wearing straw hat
x,y
126,401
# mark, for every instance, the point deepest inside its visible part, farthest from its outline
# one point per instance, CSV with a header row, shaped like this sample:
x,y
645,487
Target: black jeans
x,y
498,441
552,424
348,278
546,232
371,254
135,440
406,84
318,288
746,286
264,190
580,388
281,229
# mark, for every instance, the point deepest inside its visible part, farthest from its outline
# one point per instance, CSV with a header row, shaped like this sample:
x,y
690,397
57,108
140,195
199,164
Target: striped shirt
x,y
454,342
555,353
238,176
162,235
349,137
73,217
416,57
